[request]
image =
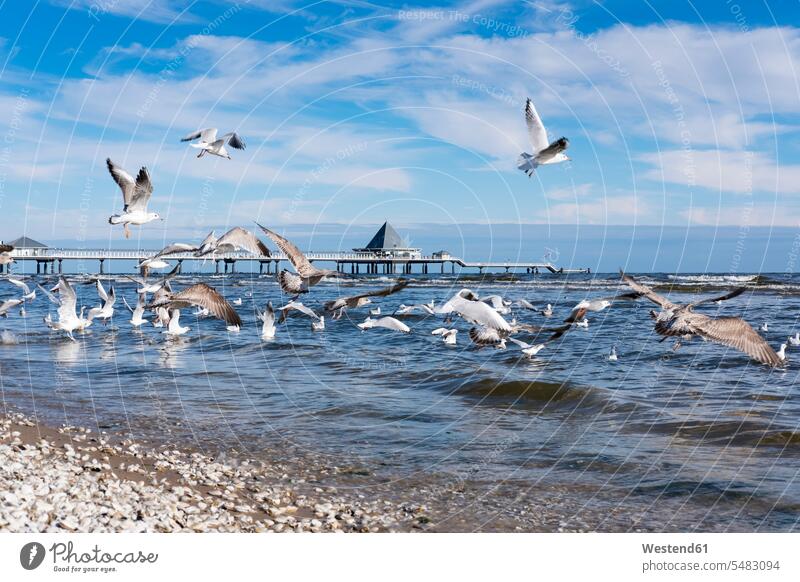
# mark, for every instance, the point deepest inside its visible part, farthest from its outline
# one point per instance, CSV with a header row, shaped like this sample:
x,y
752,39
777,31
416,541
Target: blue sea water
x,y
702,427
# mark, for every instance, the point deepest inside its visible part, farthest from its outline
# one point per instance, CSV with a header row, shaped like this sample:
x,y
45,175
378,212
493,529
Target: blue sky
x,y
679,114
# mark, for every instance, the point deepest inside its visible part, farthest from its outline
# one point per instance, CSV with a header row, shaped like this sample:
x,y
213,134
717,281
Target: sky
x,y
682,118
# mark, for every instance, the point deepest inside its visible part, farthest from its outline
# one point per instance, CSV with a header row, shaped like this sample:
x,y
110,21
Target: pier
x,y
51,261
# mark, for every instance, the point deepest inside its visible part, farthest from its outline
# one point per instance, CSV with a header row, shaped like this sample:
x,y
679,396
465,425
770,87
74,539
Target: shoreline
x,y
71,479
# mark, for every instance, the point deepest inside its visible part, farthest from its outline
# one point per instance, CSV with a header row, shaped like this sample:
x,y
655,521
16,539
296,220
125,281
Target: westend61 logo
x,y
66,559
31,555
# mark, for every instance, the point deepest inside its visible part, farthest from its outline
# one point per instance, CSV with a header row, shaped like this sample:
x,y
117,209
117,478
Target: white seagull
x,y
137,313
106,309
448,335
612,357
27,294
543,152
465,303
174,327
529,350
135,196
236,239
208,142
795,341
68,320
299,307
198,295
268,318
782,353
318,325
385,322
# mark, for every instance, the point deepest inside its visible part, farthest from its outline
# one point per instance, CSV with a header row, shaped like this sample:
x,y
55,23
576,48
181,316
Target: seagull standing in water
x,y
208,142
106,309
680,321
795,341
612,357
307,274
135,196
543,152
174,327
137,313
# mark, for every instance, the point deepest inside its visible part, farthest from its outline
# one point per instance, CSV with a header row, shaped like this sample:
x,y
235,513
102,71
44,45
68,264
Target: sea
x,y
699,438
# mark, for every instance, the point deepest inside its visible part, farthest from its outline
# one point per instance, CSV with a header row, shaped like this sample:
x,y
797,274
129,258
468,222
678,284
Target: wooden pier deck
x,y
52,259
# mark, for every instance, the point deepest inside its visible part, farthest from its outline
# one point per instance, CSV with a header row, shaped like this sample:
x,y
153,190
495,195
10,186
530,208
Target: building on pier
x,y
28,246
387,243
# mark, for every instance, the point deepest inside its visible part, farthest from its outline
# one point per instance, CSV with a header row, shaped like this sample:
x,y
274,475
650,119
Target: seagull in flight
x,y
680,321
198,295
67,300
342,303
307,274
5,256
466,304
236,239
598,304
135,196
448,335
543,152
384,322
208,142
106,309
267,317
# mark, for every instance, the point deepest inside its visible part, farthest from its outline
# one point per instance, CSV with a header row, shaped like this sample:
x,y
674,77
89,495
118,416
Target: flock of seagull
x,y
487,315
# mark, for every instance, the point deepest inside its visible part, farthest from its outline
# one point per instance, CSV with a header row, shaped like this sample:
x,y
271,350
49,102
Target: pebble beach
x,y
72,480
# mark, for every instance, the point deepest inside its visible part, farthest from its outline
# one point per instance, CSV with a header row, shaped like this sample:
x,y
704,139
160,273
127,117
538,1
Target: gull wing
x,y
234,140
479,313
291,284
68,299
297,306
392,323
4,248
384,292
521,344
240,238
646,291
484,336
21,284
123,179
301,264
142,192
206,135
175,248
735,293
101,291
206,296
536,131
736,333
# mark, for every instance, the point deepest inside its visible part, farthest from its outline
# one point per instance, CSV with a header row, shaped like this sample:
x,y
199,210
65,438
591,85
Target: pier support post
x,y
226,266
38,266
233,267
60,266
180,265
217,266
102,268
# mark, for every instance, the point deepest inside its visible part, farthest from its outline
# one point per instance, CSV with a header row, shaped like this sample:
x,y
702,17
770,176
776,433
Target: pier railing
x,y
354,259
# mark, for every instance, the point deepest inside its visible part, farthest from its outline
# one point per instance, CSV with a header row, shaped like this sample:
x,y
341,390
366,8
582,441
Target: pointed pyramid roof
x,y
24,242
386,238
